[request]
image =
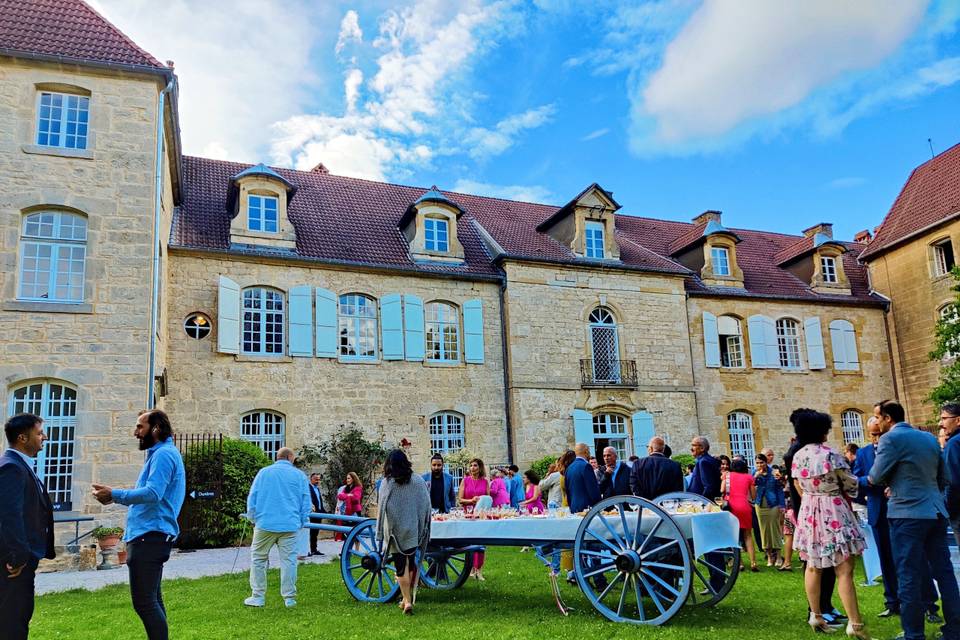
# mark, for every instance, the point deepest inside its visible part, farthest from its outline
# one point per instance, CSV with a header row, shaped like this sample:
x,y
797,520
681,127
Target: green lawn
x,y
514,602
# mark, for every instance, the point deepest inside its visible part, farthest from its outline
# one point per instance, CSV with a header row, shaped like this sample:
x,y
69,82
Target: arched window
x,y
358,327
262,321
443,332
446,437
851,421
264,429
788,342
605,346
53,249
610,430
740,428
731,342
56,403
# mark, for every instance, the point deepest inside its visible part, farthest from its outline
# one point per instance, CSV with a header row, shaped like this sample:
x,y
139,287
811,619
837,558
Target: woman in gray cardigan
x,y
403,521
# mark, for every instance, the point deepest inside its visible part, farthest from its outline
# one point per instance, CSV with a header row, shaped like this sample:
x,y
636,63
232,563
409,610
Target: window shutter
x,y
473,331
413,327
301,321
391,323
770,343
326,322
850,342
711,341
643,430
228,316
814,337
838,345
583,428
758,352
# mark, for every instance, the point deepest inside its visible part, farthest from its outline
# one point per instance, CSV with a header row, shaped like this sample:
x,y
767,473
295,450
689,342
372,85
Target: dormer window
x,y
720,258
828,267
262,213
594,239
430,226
436,235
942,258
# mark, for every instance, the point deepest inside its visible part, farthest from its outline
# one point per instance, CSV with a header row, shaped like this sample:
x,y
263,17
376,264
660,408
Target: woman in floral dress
x,y
827,533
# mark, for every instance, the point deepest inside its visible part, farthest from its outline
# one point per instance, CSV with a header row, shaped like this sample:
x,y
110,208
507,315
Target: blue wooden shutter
x,y
326,322
838,345
583,428
771,343
473,331
711,341
758,352
643,430
850,342
814,338
413,328
228,316
391,323
301,321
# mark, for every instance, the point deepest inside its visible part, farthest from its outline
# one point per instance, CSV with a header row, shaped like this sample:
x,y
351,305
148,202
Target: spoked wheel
x,y
714,573
633,562
368,573
445,568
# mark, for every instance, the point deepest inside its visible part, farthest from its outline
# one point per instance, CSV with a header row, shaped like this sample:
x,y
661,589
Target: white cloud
x,y
351,88
349,31
522,193
593,135
483,142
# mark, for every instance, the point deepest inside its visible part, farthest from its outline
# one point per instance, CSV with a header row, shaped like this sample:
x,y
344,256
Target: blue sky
x,y
781,115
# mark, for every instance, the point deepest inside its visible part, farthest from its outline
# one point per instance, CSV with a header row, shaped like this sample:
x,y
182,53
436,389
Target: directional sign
x,y
203,495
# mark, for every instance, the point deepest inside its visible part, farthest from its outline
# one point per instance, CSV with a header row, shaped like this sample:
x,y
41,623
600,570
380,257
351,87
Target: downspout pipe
x,y
157,215
506,369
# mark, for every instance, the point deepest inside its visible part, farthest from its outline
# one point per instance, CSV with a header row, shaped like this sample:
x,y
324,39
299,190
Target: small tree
x,y
946,348
541,466
347,450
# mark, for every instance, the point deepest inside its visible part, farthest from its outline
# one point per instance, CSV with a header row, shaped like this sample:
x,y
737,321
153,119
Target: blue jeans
x,y
916,544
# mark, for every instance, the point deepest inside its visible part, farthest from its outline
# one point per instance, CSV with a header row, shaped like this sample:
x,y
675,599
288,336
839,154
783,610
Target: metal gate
x,y
203,459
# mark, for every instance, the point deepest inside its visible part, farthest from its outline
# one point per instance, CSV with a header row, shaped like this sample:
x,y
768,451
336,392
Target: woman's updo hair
x,y
812,427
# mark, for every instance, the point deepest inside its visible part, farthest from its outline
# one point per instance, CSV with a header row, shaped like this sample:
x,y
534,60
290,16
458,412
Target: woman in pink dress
x,y
498,489
531,484
827,533
739,488
474,485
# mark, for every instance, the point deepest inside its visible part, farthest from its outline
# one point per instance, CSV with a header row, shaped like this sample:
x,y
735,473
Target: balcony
x,y
608,373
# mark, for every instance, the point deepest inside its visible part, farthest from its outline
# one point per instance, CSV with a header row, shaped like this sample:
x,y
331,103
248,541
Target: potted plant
x,y
107,537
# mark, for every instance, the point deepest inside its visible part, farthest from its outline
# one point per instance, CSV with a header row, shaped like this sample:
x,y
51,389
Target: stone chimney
x,y
863,237
825,228
707,216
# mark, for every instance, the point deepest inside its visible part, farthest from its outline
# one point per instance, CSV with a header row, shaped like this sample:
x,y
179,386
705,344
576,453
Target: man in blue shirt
x,y
152,518
515,486
279,506
443,497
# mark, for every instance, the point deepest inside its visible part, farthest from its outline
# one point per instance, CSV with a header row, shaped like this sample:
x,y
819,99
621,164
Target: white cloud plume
x,y
349,31
523,193
593,135
483,142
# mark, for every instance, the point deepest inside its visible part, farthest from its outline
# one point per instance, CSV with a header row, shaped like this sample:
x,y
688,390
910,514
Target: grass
x,y
514,602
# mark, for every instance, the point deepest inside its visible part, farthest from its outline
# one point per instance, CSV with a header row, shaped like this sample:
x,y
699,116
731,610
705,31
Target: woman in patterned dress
x,y
827,533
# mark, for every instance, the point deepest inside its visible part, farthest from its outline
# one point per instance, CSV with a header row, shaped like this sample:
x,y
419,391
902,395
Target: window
x,y
53,248
942,258
446,437
740,428
443,332
788,342
262,322
949,315
843,343
828,267
594,237
197,326
358,327
610,430
264,429
605,345
852,422
62,120
721,261
436,236
731,342
56,403
262,213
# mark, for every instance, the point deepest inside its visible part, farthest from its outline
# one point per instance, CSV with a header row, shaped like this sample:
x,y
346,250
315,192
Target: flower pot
x,y
122,557
108,542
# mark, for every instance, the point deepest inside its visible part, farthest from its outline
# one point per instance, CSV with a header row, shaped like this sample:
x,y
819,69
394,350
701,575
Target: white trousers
x,y
286,543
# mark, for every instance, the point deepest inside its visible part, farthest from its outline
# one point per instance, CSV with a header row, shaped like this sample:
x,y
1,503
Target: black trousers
x,y
16,602
145,558
313,540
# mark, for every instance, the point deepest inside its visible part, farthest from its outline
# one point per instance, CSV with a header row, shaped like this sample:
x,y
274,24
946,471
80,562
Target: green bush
x,y
684,459
217,523
540,466
348,450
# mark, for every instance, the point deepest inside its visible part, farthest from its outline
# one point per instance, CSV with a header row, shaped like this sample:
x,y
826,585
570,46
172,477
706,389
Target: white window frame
x,y
788,343
742,438
447,436
732,355
436,234
80,123
851,422
261,210
720,259
200,327
594,240
266,327
56,402
357,329
940,267
828,268
47,238
265,428
441,332
614,428
606,368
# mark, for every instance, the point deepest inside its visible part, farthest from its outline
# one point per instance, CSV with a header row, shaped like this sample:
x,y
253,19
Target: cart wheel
x,y
633,564
445,569
721,563
369,575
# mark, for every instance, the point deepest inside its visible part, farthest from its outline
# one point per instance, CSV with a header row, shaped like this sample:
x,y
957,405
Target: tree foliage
x,y
946,348
347,450
541,466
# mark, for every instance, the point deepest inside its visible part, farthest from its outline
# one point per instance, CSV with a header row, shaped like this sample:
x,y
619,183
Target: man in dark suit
x,y
26,524
705,478
316,499
656,474
616,475
580,481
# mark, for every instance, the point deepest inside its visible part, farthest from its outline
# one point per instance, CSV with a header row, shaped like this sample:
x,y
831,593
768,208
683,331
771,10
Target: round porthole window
x,y
197,326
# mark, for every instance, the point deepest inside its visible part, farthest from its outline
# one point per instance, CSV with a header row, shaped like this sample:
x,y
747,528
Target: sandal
x,y
785,567
754,568
408,610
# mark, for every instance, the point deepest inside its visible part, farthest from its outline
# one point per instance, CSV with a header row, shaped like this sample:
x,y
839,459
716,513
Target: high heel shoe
x,y
858,631
819,625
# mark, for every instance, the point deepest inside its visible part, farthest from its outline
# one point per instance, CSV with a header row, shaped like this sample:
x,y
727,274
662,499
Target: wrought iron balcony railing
x,y
608,373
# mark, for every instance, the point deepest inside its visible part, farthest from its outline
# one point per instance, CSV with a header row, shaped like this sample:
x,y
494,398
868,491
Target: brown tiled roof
x,y
931,195
687,238
353,221
67,29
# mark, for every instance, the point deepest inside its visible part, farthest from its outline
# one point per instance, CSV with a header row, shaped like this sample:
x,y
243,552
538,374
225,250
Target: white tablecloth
x,y
708,531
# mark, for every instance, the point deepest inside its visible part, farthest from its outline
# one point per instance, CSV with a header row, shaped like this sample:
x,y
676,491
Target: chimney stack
x,y
863,237
825,228
320,168
707,216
